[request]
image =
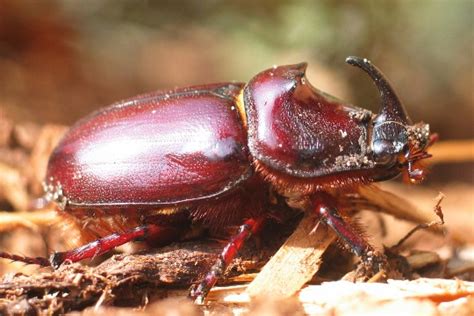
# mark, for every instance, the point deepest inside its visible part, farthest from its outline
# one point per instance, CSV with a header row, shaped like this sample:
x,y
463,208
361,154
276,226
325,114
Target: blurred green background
x,y
61,59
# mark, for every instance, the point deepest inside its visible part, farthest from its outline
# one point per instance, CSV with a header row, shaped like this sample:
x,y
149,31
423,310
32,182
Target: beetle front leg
x,y
249,228
326,207
108,243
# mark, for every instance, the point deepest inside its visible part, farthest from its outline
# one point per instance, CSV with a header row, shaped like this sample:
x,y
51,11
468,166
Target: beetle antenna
x,y
41,261
391,109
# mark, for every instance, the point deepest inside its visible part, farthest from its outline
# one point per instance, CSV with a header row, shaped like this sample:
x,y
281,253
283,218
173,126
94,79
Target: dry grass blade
x,y
125,278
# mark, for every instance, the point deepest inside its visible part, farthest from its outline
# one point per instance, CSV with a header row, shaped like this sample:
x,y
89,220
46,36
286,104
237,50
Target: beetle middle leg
x,y
249,228
108,243
326,207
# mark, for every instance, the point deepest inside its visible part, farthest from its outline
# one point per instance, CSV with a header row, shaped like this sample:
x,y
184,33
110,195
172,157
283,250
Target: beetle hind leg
x,y
108,243
249,228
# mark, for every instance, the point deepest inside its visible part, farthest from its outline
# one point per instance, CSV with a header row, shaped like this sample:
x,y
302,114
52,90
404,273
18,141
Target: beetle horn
x,y
391,109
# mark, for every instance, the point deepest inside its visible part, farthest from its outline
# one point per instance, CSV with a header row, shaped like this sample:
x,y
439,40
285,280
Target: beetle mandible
x,y
214,154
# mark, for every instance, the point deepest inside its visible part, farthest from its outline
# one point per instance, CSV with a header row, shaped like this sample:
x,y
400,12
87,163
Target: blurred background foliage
x,y
59,60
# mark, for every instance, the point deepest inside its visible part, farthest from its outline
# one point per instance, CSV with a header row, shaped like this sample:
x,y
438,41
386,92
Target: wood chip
x,y
126,278
296,261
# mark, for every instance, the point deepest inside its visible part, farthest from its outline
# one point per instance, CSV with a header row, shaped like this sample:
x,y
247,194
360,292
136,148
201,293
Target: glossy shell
x,y
295,129
155,149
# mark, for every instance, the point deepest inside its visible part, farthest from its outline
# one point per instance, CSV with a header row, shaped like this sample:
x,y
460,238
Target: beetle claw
x,y
374,267
56,259
196,294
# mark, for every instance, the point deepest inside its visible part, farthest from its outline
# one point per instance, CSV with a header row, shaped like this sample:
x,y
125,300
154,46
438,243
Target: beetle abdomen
x,y
156,149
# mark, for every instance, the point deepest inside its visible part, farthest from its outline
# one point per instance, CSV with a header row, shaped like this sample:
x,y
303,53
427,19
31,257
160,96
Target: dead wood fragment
x,y
243,278
346,298
397,297
127,279
296,261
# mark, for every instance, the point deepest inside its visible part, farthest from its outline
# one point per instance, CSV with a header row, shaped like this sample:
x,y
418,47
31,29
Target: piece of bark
x,y
296,261
123,279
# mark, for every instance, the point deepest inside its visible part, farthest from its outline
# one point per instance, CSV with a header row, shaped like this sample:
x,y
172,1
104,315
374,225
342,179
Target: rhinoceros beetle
x,y
214,155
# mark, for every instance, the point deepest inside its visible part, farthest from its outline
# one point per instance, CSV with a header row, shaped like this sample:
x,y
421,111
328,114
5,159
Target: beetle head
x,y
397,144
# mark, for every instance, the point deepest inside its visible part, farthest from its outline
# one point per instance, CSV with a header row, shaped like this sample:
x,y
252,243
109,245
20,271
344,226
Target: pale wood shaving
x,y
419,297
296,261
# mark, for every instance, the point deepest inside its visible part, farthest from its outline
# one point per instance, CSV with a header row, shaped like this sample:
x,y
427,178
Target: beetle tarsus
x,y
249,228
57,258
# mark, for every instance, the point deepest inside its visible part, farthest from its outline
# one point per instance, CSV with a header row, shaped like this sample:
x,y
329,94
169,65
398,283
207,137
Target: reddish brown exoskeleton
x,y
151,166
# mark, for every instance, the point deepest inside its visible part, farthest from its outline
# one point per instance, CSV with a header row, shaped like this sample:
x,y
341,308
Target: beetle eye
x,y
384,152
385,159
